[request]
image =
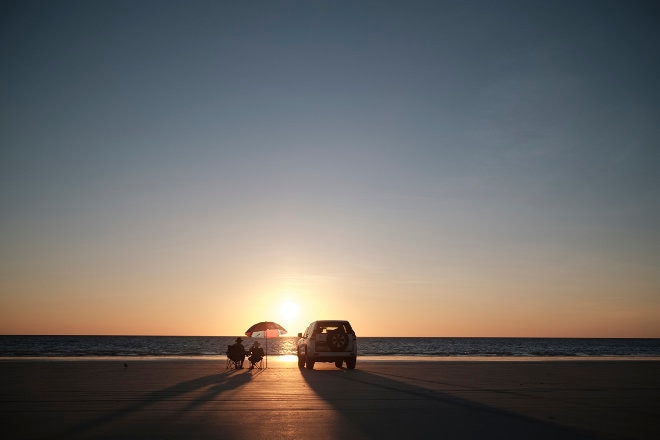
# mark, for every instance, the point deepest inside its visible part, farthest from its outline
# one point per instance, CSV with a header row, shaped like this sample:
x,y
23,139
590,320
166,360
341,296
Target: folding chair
x,y
234,359
259,365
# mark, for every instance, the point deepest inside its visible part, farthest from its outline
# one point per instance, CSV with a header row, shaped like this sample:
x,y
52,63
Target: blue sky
x,y
473,168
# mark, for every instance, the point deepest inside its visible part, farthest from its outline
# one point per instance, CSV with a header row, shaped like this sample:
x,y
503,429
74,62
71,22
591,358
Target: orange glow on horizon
x,y
173,311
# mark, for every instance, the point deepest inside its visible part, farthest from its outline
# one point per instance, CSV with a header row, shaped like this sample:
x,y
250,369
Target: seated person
x,y
256,354
237,353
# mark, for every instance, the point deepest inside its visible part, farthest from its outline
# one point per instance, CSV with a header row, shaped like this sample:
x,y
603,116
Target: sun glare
x,y
289,310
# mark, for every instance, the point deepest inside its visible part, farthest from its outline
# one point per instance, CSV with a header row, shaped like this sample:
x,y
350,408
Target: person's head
x,y
239,340
256,344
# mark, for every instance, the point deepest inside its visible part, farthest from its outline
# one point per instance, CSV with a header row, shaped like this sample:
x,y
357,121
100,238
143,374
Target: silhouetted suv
x,y
327,341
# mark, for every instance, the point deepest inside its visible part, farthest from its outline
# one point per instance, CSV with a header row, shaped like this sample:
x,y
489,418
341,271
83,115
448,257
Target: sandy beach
x,y
200,399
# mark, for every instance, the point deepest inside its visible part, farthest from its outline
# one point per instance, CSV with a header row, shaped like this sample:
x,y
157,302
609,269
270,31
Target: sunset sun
x,y
289,310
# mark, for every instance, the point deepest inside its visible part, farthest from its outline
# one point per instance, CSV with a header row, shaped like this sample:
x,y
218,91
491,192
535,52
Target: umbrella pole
x,y
266,348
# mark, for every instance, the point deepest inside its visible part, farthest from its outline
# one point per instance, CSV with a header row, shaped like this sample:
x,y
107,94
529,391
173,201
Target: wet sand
x,y
200,399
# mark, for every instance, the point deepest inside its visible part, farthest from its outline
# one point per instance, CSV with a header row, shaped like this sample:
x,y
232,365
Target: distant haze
x,y
441,168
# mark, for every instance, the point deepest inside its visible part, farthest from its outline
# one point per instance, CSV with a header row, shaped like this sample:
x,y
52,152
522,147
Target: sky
x,y
442,168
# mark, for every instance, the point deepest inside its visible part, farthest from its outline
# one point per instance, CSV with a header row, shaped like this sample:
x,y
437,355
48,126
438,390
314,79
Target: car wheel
x,y
338,364
350,363
309,363
337,341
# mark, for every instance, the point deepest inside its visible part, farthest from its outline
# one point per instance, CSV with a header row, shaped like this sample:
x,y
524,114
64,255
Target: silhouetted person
x,y
256,354
237,353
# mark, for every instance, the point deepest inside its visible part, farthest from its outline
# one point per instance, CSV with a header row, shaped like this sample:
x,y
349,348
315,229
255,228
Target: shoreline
x,y
292,358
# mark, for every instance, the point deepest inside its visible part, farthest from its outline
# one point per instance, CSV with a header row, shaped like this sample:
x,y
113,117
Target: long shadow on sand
x,y
215,384
397,409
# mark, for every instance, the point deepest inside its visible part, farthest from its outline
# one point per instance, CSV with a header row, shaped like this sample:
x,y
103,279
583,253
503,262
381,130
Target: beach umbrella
x,y
265,329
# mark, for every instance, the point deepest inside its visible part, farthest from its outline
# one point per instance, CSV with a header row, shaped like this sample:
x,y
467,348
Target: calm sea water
x,y
202,346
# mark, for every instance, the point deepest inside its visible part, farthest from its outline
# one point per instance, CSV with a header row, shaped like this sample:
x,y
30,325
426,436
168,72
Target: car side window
x,y
308,332
348,329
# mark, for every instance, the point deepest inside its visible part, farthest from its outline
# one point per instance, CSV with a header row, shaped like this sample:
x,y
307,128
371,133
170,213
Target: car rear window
x,y
328,326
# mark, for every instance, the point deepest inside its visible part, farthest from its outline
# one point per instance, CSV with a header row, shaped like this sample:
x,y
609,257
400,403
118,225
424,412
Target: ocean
x,y
209,346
